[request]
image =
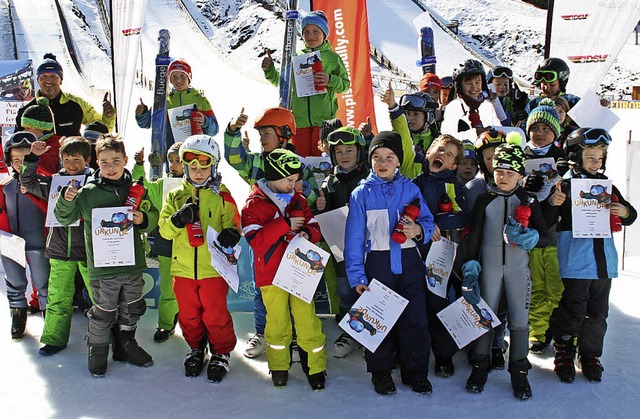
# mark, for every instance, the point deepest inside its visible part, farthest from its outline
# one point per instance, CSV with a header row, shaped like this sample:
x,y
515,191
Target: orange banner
x,y
349,37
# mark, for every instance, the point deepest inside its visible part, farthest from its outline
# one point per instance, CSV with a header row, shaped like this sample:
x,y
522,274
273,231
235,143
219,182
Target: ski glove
x,y
229,237
470,287
533,183
563,166
187,214
523,238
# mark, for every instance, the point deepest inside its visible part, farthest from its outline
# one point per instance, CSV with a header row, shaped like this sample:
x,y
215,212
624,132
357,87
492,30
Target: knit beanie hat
x,y
546,113
180,65
430,80
510,157
390,140
317,18
281,163
49,65
94,130
38,116
329,126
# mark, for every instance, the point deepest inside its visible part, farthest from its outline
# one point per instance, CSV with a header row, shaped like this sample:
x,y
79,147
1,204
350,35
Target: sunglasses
x,y
595,136
503,72
201,160
341,137
546,76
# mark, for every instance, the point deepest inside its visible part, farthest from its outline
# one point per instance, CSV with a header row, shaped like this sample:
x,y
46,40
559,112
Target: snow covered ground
x,y
61,386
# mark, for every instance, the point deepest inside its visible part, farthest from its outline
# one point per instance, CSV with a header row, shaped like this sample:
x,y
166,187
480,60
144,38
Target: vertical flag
x,y
589,35
349,37
126,26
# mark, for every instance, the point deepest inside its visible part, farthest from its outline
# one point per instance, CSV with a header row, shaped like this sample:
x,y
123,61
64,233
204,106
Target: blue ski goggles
x,y
595,136
447,82
502,72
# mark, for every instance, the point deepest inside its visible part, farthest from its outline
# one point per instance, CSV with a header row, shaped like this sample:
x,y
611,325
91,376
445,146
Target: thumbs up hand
x,y
388,97
267,61
558,197
365,128
239,121
141,108
321,202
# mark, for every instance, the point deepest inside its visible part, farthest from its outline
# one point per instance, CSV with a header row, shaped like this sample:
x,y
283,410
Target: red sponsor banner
x,y
349,37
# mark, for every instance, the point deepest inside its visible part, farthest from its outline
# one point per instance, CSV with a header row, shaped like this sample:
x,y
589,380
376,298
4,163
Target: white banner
x,y
126,19
588,35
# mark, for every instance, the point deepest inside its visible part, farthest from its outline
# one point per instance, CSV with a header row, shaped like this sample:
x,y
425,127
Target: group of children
x,y
525,271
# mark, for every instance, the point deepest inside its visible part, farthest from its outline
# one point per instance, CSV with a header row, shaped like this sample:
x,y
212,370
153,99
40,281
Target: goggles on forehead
x,y
447,82
201,160
595,136
341,137
413,101
502,72
22,139
547,76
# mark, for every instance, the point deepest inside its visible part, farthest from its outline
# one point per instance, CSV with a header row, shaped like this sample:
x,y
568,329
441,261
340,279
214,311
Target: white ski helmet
x,y
201,144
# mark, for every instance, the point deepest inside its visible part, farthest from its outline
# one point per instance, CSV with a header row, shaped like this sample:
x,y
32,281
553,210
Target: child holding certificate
x,y
586,264
116,290
379,227
200,202
275,213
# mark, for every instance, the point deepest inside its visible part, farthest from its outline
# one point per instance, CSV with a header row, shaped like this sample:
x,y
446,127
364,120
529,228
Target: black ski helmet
x,y
421,102
578,139
559,66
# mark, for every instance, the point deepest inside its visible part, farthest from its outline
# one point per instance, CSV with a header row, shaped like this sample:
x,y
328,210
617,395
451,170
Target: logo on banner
x,y
131,31
581,16
583,59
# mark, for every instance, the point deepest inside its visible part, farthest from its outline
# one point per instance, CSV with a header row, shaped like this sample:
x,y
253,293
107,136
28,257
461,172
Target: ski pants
x,y
116,299
167,304
202,311
280,307
516,283
16,278
410,335
57,322
546,290
442,344
583,312
306,141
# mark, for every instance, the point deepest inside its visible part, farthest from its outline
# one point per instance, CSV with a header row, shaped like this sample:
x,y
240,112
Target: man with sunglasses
x,y
513,100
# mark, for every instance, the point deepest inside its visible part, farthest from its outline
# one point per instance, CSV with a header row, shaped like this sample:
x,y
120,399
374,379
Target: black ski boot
x,y
317,380
383,382
564,361
162,335
218,367
478,377
279,378
195,359
18,322
444,366
591,368
98,360
126,348
519,380
497,358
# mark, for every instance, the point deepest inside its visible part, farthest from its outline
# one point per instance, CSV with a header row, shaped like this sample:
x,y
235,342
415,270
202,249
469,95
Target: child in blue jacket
x,y
375,208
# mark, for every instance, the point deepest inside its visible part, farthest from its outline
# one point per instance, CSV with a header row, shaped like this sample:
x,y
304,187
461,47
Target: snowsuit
x,y
176,99
369,252
200,291
337,188
504,267
586,268
66,253
167,304
546,286
264,223
116,290
311,111
26,220
456,117
433,187
70,112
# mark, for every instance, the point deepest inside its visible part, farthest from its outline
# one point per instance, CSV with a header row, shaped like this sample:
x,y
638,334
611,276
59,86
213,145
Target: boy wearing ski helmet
x,y
513,100
552,75
200,290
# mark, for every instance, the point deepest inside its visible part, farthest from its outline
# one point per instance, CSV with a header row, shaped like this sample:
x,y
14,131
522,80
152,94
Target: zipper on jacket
x,y
505,218
69,243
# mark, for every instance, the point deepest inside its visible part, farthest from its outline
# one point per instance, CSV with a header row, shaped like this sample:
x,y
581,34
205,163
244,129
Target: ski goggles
x,y
342,137
22,139
201,160
447,82
502,72
546,76
419,103
595,136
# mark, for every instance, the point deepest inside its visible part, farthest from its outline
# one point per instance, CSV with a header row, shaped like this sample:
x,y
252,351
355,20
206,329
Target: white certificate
x,y
372,317
590,217
57,183
439,265
301,268
169,184
303,74
467,322
546,168
589,113
333,225
12,247
224,259
112,230
180,121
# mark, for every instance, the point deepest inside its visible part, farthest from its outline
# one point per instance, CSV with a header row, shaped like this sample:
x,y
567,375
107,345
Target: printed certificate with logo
x,y
113,231
467,322
180,121
373,316
224,259
439,265
545,168
590,217
301,268
303,73
57,183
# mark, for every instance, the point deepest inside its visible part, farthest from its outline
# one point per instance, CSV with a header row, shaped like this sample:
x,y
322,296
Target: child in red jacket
x,y
270,214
